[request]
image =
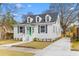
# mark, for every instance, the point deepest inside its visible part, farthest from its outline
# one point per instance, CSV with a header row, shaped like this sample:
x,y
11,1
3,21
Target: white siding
x,y
53,31
16,34
49,35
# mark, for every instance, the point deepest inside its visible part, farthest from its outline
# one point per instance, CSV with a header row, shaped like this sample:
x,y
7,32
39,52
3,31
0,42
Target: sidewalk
x,y
59,48
20,49
11,44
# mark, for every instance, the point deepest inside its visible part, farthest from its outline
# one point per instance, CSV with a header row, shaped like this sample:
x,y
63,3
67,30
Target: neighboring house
x,y
42,26
6,31
76,29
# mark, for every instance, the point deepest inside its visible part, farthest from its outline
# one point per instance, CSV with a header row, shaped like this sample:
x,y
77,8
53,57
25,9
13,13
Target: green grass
x,y
4,52
35,45
8,41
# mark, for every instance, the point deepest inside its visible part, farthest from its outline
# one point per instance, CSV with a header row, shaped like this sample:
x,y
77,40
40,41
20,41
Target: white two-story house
x,y
42,26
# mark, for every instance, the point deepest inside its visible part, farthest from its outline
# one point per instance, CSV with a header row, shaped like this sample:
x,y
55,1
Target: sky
x,y
24,8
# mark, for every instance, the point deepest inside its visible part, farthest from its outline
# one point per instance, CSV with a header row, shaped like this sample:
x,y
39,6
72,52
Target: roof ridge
x,y
41,14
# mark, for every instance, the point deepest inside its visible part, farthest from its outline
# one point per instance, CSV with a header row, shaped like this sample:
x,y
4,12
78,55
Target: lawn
x,y
8,41
75,45
4,52
35,45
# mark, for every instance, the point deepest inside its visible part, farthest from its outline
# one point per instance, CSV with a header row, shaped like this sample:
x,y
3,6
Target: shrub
x,y
35,39
46,40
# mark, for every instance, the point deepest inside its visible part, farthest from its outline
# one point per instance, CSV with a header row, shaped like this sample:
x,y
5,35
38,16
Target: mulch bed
x,y
23,46
74,49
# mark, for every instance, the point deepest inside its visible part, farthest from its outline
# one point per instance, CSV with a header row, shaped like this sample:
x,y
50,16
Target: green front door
x,y
29,31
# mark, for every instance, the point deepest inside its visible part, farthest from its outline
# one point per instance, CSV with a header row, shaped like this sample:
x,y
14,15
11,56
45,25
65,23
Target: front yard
x,y
8,41
35,45
4,52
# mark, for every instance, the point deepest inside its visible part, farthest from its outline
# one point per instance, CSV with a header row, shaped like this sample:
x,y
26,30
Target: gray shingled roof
x,y
53,15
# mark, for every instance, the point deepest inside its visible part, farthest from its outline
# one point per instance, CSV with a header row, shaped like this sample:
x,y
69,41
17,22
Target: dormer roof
x,y
52,15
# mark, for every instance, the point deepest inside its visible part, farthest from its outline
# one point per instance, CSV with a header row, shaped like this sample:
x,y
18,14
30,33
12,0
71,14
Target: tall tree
x,y
0,10
67,12
0,7
7,17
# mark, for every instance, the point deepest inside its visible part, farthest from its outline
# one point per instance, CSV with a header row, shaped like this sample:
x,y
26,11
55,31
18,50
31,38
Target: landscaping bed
x,y
75,46
46,40
4,52
8,41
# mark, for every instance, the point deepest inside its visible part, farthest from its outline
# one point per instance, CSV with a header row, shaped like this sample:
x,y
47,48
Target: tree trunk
x,y
64,31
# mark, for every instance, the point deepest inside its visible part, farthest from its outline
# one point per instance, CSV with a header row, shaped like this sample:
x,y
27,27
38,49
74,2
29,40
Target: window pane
x,y
42,29
47,18
22,29
29,20
37,19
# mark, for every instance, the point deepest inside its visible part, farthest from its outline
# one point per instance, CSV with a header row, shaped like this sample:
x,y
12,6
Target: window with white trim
x,y
21,29
42,28
38,18
48,18
29,19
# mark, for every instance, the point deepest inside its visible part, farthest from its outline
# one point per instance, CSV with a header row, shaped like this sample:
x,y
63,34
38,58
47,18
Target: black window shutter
x,y
38,28
24,29
18,29
46,28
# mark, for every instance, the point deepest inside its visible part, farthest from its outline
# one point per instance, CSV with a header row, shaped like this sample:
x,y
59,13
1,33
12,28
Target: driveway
x,y
59,48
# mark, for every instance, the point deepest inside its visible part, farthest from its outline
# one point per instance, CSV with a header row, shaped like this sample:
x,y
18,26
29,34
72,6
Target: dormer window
x,y
48,18
38,18
29,19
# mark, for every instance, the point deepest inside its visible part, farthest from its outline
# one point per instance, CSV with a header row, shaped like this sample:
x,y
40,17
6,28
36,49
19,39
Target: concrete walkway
x,y
21,49
59,48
